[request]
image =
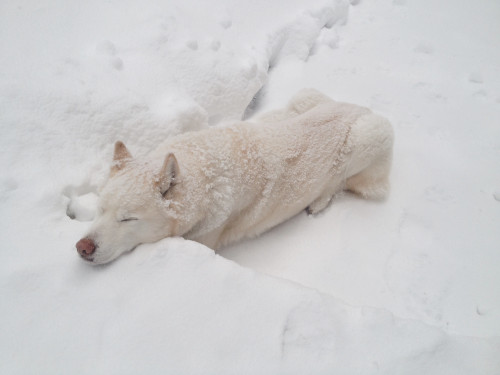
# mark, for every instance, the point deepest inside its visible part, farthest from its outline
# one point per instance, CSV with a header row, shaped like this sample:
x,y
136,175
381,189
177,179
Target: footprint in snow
x,y
192,44
424,48
476,77
496,195
226,23
215,45
7,186
108,49
117,63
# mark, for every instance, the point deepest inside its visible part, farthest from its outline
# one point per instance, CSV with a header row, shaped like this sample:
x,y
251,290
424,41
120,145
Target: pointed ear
x,y
168,174
120,157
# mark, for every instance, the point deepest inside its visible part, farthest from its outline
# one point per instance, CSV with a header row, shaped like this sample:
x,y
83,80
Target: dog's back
x,y
253,176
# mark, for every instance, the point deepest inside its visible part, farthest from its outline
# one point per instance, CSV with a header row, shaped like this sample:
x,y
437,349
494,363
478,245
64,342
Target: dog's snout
x,y
85,247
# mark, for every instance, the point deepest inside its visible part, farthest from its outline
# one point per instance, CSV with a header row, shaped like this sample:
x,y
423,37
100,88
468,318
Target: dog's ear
x,y
168,174
120,157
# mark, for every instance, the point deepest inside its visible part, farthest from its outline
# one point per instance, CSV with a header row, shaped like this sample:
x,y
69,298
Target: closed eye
x,y
128,219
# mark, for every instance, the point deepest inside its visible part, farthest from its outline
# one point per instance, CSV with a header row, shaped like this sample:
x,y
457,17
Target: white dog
x,y
219,185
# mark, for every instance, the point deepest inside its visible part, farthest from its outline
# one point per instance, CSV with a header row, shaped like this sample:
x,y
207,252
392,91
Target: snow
x,y
408,285
429,252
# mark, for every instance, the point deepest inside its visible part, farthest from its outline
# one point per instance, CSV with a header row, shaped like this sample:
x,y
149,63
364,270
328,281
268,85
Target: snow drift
x,y
76,77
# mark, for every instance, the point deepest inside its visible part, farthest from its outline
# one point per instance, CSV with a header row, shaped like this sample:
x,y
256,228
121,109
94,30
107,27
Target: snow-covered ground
x,y
406,286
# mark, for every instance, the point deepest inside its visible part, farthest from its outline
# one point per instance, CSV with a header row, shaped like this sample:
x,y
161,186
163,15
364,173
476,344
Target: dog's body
x,y
222,184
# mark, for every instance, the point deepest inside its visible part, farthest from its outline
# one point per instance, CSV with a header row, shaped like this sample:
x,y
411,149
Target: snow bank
x,y
77,76
175,307
94,73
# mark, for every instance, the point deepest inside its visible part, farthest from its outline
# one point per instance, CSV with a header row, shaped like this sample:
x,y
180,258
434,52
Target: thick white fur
x,y
223,184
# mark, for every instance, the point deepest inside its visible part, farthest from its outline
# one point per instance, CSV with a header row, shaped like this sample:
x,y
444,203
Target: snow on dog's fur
x,y
219,185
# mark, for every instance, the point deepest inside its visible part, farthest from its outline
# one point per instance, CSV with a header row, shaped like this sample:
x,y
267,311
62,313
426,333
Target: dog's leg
x,y
370,161
322,202
372,182
318,205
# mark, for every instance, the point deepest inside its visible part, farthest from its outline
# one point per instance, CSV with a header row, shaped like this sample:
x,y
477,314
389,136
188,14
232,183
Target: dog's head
x,y
135,207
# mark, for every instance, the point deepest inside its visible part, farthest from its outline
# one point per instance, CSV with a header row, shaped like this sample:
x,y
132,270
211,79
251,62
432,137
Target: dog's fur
x,y
219,185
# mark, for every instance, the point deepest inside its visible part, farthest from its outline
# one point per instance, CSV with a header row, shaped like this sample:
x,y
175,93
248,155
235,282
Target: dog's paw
x,y
319,204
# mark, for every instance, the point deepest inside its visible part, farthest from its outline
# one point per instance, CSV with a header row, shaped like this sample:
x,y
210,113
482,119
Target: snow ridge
x,y
298,38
